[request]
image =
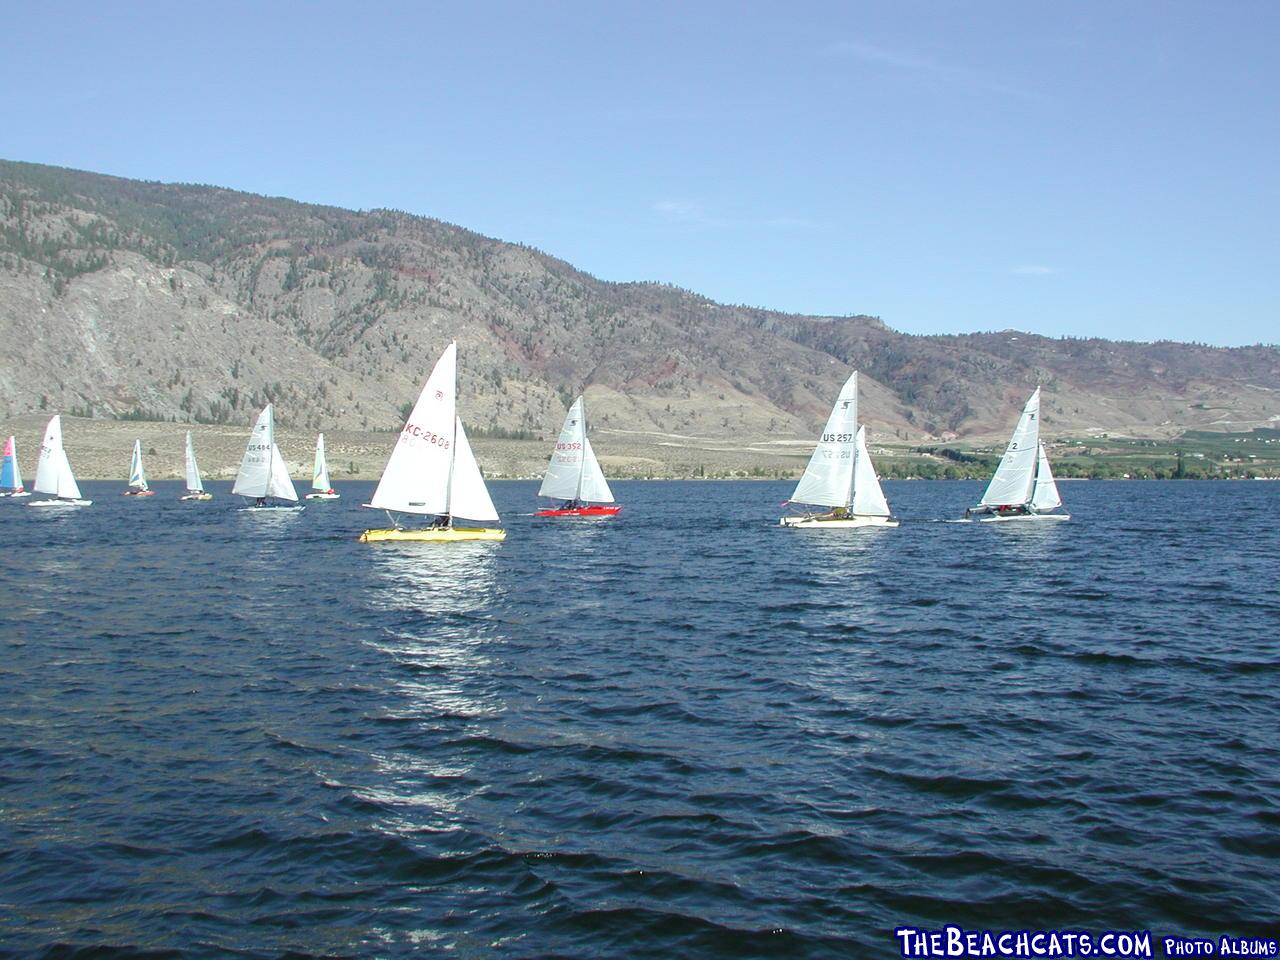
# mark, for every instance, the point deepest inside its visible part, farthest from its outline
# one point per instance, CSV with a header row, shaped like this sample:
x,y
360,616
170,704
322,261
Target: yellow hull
x,y
435,534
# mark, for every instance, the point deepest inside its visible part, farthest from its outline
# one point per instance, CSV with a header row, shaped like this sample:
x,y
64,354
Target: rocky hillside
x,y
121,298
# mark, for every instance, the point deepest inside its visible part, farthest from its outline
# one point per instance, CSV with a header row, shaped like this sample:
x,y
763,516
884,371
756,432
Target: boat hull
x,y
323,496
60,503
138,493
434,535
813,523
197,496
16,493
1010,518
283,508
593,511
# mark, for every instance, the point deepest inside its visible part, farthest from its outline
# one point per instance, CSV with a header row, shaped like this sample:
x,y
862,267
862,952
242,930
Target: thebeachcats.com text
x,y
952,941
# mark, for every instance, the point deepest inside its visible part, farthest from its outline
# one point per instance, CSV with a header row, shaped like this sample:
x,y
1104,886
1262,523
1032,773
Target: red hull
x,y
139,493
581,512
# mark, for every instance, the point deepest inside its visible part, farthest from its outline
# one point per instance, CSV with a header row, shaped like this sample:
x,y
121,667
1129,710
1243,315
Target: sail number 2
x,y
417,433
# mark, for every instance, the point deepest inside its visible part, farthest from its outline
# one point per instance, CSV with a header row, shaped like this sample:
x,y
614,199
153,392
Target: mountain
x,y
121,298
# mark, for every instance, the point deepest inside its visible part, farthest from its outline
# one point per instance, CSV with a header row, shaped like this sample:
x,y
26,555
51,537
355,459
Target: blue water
x,y
683,732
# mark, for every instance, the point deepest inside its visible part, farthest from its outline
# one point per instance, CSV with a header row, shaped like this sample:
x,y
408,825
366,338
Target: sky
x,y
1072,169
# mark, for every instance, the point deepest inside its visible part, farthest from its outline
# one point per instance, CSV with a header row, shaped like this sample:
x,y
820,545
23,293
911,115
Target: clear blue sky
x,y
1082,168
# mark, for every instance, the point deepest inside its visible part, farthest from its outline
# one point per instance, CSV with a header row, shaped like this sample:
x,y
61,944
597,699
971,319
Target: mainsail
x,y
10,475
1012,482
137,476
416,478
194,484
574,472
53,471
828,477
320,472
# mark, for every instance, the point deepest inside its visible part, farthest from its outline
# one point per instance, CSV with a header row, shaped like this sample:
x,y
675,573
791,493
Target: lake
x,y
683,732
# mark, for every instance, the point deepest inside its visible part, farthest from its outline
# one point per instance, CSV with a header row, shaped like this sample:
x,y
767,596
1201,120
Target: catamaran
x,y
263,473
10,475
53,472
320,486
195,487
137,476
574,476
1023,487
432,472
840,474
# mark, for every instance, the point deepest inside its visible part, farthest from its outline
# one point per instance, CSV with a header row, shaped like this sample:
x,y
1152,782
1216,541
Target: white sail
x,y
468,496
1011,484
254,478
1046,495
320,472
194,484
53,471
868,497
416,478
574,472
137,476
828,476
280,484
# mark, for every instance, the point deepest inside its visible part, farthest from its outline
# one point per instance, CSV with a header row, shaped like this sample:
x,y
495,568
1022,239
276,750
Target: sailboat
x,y
195,487
263,473
840,474
137,476
53,472
574,475
1023,487
432,472
322,489
10,475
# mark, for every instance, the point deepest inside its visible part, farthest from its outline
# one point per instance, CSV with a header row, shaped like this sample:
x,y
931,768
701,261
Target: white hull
x,y
282,508
22,493
996,518
60,503
323,496
813,523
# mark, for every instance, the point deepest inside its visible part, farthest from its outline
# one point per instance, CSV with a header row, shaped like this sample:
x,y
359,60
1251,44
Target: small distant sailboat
x,y
10,475
53,472
195,487
322,489
137,476
263,473
574,476
1023,487
432,472
840,474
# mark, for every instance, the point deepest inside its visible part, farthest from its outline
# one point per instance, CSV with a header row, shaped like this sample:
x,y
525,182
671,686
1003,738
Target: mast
x,y
582,454
453,450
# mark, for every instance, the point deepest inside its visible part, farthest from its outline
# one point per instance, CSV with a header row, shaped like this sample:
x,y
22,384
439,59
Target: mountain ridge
x,y
121,298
